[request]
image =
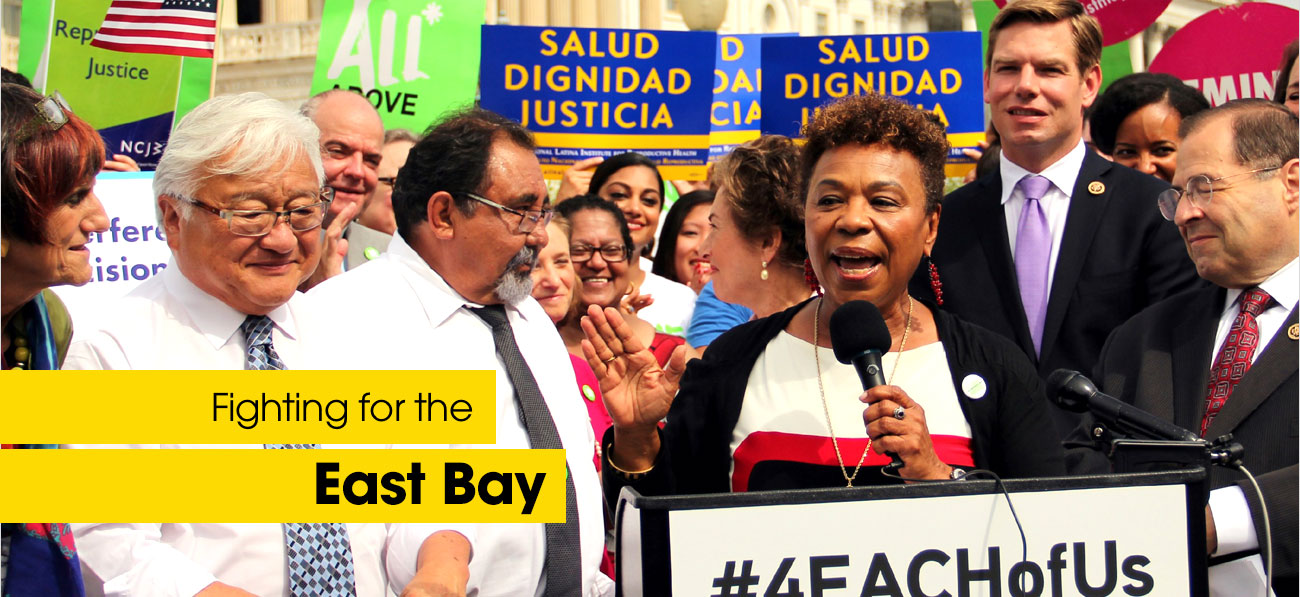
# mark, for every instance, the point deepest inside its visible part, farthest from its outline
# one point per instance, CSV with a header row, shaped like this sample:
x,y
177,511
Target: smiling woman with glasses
x,y
601,249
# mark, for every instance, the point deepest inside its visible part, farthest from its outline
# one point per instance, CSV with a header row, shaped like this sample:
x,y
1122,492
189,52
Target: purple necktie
x,y
1033,255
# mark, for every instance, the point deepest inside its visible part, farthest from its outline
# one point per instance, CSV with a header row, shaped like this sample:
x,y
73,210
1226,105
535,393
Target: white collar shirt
x,y
424,324
1284,287
1056,201
169,323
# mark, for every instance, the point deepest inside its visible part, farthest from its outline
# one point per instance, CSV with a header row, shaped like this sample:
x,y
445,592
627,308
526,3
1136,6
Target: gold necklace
x,y
817,358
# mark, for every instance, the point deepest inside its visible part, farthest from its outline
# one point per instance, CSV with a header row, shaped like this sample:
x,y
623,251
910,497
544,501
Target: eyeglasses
x,y
529,220
388,180
1200,189
51,113
260,222
610,253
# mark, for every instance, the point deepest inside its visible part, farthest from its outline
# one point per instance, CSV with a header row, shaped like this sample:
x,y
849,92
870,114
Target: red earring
x,y
935,284
810,277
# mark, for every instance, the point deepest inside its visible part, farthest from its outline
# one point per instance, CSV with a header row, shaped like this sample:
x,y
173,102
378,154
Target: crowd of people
x,y
688,348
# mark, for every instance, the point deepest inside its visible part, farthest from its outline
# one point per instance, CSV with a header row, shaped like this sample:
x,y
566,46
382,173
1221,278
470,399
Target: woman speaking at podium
x,y
769,407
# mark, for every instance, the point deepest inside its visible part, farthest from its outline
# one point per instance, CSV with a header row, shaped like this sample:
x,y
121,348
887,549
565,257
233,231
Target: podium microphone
x,y
860,338
1072,391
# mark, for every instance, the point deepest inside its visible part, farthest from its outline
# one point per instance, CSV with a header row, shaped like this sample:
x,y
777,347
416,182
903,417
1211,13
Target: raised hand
x,y
577,179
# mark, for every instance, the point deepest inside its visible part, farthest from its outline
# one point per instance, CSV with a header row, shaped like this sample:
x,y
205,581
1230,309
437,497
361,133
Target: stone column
x,y
585,13
652,13
533,12
290,11
561,13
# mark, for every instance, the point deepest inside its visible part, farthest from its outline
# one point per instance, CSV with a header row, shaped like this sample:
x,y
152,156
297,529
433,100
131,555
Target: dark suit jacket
x,y
1117,257
1160,360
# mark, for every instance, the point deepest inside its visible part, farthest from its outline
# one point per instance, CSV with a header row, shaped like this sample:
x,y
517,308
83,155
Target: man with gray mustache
x,y
455,284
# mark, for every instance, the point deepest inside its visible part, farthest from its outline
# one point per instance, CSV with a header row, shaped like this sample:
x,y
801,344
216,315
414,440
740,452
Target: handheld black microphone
x,y
1072,391
860,338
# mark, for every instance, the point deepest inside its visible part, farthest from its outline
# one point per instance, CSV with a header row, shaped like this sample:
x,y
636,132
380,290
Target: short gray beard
x,y
514,286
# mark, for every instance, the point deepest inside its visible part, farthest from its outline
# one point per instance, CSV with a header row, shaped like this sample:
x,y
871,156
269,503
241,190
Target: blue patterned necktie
x,y
563,565
259,354
319,554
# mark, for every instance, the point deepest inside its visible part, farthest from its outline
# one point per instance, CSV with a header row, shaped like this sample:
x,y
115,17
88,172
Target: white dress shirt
x,y
180,559
1056,201
424,324
1232,520
674,302
169,323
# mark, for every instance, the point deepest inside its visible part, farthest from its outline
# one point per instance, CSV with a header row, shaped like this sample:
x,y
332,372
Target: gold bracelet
x,y
628,475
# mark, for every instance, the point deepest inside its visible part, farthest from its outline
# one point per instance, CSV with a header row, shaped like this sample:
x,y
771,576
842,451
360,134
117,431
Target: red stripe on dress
x,y
762,446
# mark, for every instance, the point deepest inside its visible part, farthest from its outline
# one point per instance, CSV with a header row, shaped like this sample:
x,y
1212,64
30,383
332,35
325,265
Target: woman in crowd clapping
x,y
769,407
601,250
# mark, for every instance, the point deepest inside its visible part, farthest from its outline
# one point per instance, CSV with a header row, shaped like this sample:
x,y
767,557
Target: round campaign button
x,y
974,387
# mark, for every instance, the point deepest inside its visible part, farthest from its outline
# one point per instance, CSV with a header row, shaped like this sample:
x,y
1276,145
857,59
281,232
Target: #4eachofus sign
x,y
599,92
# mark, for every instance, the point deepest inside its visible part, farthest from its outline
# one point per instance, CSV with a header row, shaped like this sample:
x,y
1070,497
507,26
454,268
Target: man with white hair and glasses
x,y
240,195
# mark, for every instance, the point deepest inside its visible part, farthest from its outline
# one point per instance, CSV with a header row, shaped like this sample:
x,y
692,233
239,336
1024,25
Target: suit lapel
x,y
997,248
1274,366
1193,351
1081,225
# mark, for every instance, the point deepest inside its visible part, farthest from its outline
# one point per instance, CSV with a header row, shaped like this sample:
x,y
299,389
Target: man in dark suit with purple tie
x,y
1059,246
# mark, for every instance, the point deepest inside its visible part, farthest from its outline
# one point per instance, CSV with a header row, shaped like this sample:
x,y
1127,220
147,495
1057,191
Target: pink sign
x,y
1120,19
1230,53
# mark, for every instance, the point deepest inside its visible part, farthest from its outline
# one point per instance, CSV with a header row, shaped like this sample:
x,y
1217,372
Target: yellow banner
x,y
245,486
233,407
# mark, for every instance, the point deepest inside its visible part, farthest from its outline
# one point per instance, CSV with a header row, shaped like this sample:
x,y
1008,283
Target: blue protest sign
x,y
737,83
599,92
935,71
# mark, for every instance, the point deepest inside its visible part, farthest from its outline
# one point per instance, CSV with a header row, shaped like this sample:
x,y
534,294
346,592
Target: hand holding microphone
x,y
895,422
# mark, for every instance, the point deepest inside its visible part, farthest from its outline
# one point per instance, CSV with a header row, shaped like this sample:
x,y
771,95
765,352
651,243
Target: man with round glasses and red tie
x,y
1223,359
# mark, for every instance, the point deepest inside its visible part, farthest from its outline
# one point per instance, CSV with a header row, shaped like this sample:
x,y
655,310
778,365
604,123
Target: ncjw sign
x,y
940,72
599,92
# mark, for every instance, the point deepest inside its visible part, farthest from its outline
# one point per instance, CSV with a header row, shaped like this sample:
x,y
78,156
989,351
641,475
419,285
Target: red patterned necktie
x,y
1235,356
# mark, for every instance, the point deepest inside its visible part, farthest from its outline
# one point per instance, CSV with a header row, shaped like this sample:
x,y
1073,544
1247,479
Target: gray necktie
x,y
563,567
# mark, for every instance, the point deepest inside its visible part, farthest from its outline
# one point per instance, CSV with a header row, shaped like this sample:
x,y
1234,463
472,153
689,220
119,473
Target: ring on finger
x,y
900,413
609,360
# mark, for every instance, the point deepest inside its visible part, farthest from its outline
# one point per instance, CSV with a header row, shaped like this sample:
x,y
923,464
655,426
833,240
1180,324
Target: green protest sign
x,y
413,59
133,99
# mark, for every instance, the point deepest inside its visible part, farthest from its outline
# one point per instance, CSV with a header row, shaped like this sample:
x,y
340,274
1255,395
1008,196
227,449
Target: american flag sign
x,y
177,27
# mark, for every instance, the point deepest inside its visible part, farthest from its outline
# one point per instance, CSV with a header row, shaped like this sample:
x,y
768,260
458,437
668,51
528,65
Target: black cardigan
x,y
1011,432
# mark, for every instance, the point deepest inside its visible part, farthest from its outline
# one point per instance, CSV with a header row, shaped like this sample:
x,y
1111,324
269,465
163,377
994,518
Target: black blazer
x,y
1160,362
1117,257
